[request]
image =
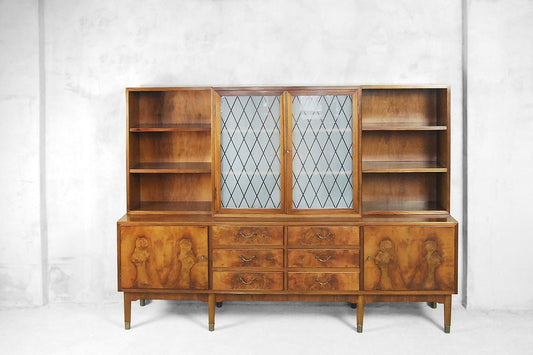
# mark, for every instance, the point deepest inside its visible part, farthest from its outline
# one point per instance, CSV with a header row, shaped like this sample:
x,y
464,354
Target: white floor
x,y
170,327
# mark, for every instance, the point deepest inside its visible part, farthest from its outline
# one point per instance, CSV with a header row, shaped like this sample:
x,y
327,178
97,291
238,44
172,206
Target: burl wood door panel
x,y
410,258
168,257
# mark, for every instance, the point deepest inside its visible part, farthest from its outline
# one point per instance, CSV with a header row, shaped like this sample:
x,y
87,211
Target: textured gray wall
x,y
20,236
500,154
92,50
95,49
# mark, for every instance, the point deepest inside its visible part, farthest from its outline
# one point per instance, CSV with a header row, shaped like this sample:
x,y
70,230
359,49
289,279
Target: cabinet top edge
x,y
416,86
287,88
169,88
447,220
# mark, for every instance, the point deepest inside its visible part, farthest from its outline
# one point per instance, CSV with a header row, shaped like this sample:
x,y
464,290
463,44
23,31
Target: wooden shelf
x,y
401,126
172,206
177,168
171,127
403,167
402,207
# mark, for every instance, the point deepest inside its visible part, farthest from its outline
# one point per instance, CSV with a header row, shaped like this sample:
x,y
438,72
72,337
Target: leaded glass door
x,y
323,156
251,128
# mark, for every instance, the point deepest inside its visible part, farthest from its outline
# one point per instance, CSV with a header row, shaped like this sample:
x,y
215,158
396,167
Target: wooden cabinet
x,y
288,193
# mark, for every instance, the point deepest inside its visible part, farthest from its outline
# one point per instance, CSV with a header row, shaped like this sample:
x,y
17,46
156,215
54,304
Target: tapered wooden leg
x,y
360,312
142,303
211,309
447,313
127,311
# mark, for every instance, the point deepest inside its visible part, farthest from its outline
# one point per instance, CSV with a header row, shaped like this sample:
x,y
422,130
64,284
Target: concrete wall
x,y
93,49
96,48
20,210
500,154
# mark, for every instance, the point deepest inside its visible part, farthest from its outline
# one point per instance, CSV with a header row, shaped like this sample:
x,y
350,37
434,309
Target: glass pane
x,y
322,151
250,151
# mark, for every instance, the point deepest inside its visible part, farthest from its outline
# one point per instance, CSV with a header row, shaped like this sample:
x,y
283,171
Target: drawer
x,y
248,258
323,236
223,280
163,257
235,236
410,258
323,281
323,258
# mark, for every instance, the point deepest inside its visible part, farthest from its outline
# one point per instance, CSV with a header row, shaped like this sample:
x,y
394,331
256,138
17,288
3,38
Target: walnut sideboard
x,y
334,194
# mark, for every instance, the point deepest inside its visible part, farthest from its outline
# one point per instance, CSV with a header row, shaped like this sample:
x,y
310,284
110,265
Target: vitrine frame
x,y
286,94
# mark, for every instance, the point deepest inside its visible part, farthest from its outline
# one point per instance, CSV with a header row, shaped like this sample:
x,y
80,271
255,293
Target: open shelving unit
x,y
405,150
169,150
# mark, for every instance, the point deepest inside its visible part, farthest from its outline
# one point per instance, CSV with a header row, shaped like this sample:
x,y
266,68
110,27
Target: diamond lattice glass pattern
x,y
250,152
322,152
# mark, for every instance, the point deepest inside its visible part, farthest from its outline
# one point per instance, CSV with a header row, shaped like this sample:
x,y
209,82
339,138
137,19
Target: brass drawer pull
x,y
320,236
246,236
243,281
317,257
323,283
247,260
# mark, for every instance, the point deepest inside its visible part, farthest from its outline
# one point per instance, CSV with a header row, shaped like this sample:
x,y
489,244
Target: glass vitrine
x,y
290,152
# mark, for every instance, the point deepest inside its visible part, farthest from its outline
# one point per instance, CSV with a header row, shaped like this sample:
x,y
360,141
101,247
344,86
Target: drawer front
x,y
235,236
163,257
323,258
248,258
410,258
223,280
323,281
323,236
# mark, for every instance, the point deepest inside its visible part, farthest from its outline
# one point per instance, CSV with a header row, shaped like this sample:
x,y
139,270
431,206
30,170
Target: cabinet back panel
x,y
167,147
400,146
400,187
159,107
175,187
416,106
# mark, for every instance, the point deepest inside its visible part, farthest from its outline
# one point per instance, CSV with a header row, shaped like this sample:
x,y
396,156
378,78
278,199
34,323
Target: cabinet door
x,y
168,257
249,151
324,153
410,258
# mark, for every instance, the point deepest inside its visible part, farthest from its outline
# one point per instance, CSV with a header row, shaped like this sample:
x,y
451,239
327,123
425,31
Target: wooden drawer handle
x,y
243,281
247,260
246,236
317,257
320,236
323,283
